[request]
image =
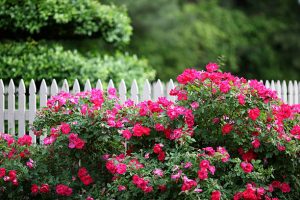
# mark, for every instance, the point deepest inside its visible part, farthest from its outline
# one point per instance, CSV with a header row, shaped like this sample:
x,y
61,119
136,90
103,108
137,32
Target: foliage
x,y
38,61
36,37
64,19
263,36
224,138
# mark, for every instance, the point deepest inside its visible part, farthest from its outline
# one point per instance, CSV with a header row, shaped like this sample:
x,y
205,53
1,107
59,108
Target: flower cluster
x,y
222,133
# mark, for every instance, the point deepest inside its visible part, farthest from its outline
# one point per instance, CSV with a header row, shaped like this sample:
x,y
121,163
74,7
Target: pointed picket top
x,y
134,91
32,87
158,90
146,91
290,93
267,84
170,86
296,93
21,89
43,88
110,84
21,108
99,85
87,86
273,85
54,88
278,89
11,107
65,86
284,92
11,87
122,91
76,87
2,88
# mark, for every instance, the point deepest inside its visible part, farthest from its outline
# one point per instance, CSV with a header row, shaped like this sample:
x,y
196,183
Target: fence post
x,y
54,88
158,90
65,86
290,93
11,107
21,109
170,86
76,87
146,91
296,93
278,89
43,100
284,92
99,85
32,108
87,86
2,106
122,91
134,92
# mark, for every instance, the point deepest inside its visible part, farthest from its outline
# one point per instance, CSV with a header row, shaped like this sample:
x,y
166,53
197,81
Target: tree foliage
x,y
257,39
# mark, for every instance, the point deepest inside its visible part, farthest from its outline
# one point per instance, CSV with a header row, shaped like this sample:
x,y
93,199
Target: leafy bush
x,y
225,138
64,19
38,61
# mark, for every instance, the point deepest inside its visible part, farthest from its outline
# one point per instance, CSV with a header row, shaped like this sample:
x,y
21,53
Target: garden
x,y
222,137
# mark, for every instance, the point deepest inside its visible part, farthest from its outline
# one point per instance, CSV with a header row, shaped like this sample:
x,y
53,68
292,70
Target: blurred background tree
x,y
86,38
39,40
258,39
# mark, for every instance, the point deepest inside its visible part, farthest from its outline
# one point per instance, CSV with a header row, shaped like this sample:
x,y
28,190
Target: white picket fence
x,y
23,117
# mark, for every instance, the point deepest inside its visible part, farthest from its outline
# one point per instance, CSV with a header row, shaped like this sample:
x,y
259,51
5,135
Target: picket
x,y
289,93
21,109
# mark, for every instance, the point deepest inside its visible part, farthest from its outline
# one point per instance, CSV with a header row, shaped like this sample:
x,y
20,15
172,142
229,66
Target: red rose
x,y
82,172
65,128
44,188
34,189
2,172
12,174
285,187
227,129
202,174
247,167
157,148
254,113
211,67
121,168
63,190
161,156
87,180
276,184
215,195
110,166
139,130
79,144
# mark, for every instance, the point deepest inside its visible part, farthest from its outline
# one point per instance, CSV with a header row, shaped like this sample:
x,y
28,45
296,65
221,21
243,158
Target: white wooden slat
x,y
267,84
99,85
11,107
158,90
146,91
54,88
32,108
87,86
76,87
170,86
278,89
284,92
110,84
65,86
296,93
273,85
290,93
43,99
134,92
122,91
21,109
2,106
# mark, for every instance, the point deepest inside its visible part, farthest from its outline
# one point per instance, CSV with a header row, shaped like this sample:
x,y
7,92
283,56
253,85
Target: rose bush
x,y
224,138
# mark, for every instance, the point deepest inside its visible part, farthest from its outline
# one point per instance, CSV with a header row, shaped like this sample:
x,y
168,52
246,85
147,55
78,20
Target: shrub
x,y
31,60
224,138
